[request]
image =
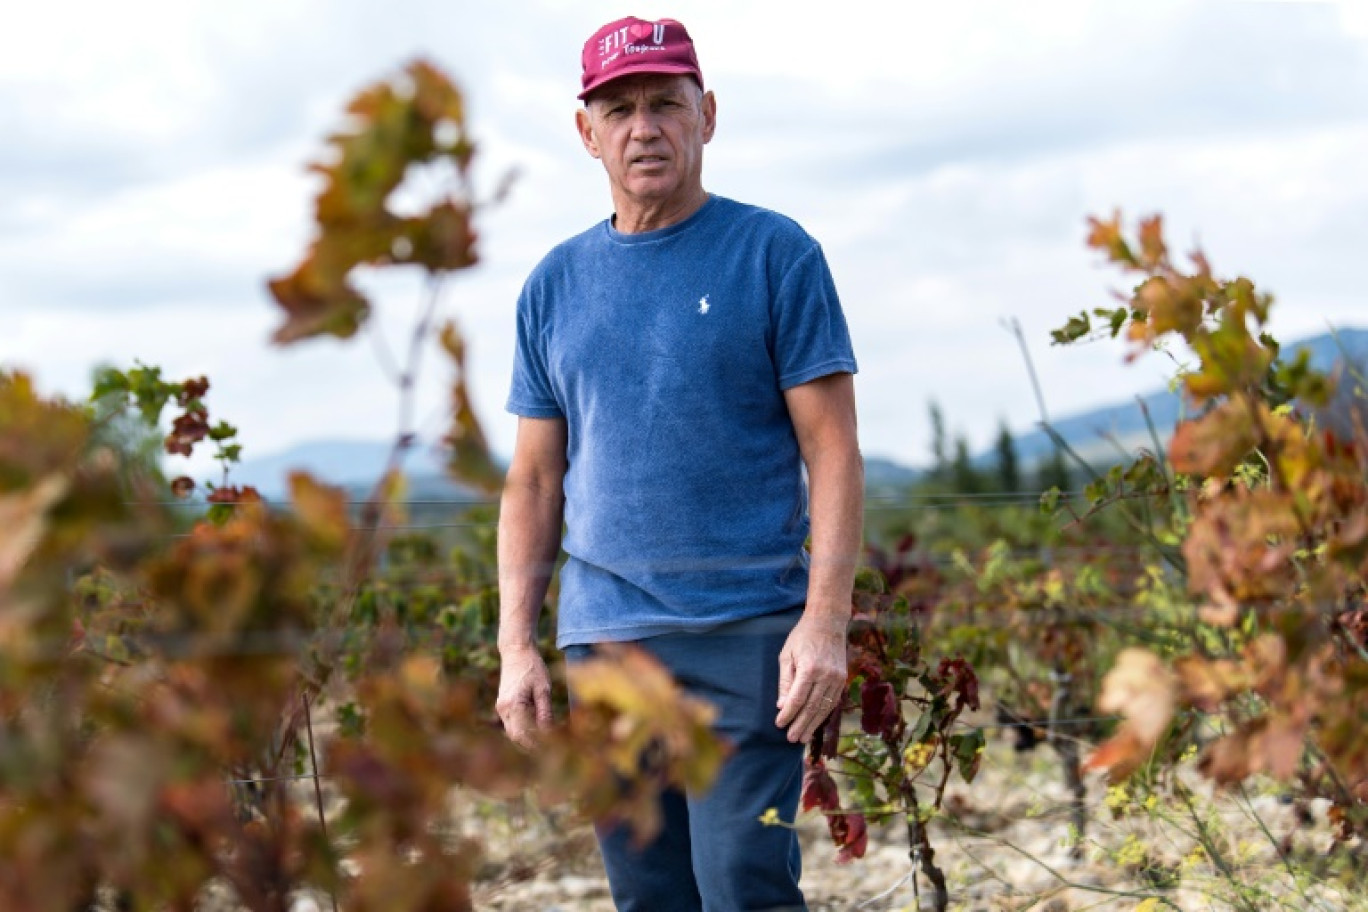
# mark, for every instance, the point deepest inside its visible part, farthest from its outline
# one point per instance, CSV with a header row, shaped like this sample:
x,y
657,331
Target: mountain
x,y
1095,435
885,473
353,464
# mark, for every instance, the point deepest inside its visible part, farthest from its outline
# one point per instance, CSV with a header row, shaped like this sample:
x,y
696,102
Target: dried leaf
x,y
1278,745
1141,689
819,789
1215,443
413,119
321,509
315,305
851,833
1153,251
23,518
1119,756
471,461
1207,684
123,777
1106,236
1222,611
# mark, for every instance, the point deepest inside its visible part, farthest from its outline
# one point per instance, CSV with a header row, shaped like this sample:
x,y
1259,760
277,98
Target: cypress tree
x,y
940,461
1054,472
1008,466
964,478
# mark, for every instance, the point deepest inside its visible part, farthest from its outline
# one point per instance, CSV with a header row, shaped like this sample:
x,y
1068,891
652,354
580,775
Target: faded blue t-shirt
x,y
667,353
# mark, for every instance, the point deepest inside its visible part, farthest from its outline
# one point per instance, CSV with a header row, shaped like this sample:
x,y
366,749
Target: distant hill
x,y
358,463
352,464
885,473
1091,433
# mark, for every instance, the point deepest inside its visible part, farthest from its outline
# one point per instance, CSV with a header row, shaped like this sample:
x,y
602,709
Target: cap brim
x,y
661,69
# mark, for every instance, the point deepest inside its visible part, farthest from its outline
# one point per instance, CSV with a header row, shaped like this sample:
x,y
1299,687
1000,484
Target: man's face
x,y
649,132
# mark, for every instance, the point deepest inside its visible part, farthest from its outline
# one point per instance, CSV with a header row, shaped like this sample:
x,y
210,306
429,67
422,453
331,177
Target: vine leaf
x,y
1215,443
416,118
322,511
1141,688
470,460
879,712
23,518
851,833
819,789
967,750
650,706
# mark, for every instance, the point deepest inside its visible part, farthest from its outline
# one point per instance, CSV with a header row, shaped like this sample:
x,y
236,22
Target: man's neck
x,y
633,217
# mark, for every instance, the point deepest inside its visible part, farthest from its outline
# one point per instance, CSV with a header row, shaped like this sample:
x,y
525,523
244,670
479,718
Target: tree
x,y
964,478
1008,466
1054,472
939,454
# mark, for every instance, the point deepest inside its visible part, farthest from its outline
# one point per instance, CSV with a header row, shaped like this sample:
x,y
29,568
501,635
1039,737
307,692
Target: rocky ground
x,y
1004,844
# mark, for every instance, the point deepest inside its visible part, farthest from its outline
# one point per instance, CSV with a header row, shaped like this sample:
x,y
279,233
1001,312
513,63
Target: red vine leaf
x,y
850,833
819,789
879,713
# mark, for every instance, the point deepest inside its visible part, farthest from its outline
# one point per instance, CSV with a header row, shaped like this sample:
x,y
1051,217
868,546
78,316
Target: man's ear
x,y
709,105
585,126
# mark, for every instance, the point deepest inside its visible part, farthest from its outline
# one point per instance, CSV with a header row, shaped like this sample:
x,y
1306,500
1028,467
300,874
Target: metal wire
x,y
1024,496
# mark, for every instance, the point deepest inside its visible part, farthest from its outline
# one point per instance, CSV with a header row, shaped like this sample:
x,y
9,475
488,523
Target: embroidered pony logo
x,y
703,304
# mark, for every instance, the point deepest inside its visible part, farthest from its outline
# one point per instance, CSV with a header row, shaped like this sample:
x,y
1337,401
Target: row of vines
x,y
1199,611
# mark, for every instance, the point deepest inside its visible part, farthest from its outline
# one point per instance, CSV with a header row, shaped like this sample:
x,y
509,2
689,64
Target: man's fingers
x,y
785,677
802,717
522,722
809,717
793,704
821,709
541,695
524,704
514,712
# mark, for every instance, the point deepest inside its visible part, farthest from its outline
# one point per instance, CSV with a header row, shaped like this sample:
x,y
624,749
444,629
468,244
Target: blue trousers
x,y
713,854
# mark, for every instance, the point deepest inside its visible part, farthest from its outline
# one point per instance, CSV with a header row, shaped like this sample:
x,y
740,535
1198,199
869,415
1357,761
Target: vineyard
x,y
1138,685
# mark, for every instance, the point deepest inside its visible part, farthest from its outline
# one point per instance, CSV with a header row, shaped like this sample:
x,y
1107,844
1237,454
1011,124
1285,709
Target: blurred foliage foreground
x,y
158,678
170,688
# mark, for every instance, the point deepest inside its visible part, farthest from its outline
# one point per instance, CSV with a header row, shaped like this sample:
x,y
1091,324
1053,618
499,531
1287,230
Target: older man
x,y
677,365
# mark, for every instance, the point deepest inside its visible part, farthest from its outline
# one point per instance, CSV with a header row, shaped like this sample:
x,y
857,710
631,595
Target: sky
x,y
946,155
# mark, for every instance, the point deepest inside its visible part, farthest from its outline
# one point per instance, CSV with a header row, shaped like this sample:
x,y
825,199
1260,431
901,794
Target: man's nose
x,y
644,126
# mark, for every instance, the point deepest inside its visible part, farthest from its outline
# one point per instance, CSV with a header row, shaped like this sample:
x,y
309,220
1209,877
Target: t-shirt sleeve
x,y
811,338
530,394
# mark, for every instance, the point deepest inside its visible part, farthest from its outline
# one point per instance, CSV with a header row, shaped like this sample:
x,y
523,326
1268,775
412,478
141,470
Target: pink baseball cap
x,y
633,45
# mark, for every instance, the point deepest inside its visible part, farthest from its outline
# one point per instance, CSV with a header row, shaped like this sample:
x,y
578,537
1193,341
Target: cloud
x,y
945,156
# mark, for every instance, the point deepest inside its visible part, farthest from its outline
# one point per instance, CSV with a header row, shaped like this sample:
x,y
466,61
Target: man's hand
x,y
812,675
524,702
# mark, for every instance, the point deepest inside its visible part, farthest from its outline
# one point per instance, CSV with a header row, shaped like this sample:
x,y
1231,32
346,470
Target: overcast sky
x,y
946,155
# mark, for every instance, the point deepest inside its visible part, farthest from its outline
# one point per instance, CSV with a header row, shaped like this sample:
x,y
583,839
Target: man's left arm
x,y
812,669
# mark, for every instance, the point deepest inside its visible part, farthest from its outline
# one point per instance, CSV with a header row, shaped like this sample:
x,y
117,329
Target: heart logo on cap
x,y
640,30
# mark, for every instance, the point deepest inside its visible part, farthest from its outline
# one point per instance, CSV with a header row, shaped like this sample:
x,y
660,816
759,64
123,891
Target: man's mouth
x,y
649,160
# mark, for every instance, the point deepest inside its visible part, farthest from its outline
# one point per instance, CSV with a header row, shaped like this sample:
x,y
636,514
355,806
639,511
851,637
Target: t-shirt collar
x,y
660,234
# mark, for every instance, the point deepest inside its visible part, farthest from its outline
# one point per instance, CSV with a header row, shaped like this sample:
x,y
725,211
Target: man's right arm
x,y
530,517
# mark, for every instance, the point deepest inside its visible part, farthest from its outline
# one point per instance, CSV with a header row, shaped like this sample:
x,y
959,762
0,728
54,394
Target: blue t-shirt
x,y
667,353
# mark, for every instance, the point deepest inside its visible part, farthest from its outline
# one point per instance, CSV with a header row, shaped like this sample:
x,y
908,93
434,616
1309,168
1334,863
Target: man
x,y
677,365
